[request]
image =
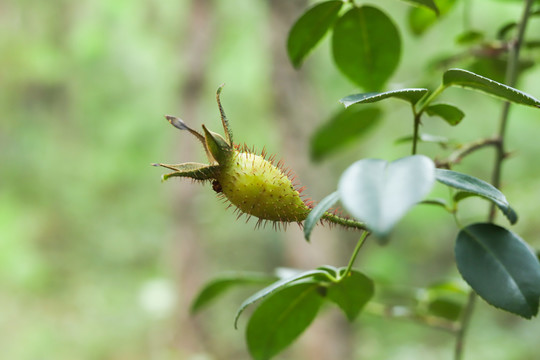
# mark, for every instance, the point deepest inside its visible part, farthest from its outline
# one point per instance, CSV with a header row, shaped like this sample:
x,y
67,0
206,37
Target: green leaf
x,y
428,4
410,95
281,318
351,293
366,46
477,187
470,37
218,286
421,19
451,114
444,299
381,193
277,286
344,127
317,212
309,29
428,138
467,79
195,171
500,267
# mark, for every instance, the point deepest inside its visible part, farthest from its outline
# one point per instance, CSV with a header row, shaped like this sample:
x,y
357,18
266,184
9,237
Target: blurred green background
x,y
100,260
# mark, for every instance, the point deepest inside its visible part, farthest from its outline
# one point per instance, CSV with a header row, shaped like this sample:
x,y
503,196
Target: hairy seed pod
x,y
248,181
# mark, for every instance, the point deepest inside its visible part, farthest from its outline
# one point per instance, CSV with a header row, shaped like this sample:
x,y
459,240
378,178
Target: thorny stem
x,y
511,77
348,223
359,244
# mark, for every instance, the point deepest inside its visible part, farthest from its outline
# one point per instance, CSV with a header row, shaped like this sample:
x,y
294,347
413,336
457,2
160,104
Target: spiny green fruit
x,y
248,181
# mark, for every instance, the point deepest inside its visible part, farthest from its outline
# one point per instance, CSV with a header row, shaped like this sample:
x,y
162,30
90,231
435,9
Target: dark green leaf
x,y
477,187
218,286
381,193
366,46
428,4
500,267
410,95
281,318
451,114
467,79
345,127
310,28
420,19
351,293
278,285
317,212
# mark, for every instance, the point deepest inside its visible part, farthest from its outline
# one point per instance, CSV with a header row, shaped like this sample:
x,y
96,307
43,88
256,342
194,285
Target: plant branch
x,y
400,312
511,78
359,244
457,156
464,325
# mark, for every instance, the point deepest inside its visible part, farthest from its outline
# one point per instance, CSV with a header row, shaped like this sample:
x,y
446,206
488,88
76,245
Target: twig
x,y
457,156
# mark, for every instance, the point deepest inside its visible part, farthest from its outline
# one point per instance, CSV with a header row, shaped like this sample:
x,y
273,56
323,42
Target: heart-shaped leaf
x,y
380,193
500,267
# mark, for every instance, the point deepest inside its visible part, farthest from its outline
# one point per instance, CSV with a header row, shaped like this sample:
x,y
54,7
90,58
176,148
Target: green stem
x,y
464,326
348,223
415,133
359,244
422,105
511,78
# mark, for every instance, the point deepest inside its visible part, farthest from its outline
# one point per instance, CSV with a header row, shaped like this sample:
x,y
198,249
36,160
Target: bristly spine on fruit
x,y
255,184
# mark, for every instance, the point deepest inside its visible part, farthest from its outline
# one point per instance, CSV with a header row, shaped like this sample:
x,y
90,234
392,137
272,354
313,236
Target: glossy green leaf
x,y
421,19
281,318
343,129
467,79
500,267
410,95
277,286
220,285
317,212
477,187
310,28
351,293
366,46
381,193
428,4
449,113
